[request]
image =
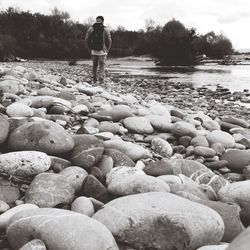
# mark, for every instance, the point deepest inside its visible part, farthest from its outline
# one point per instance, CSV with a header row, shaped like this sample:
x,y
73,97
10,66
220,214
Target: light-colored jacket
x,y
106,38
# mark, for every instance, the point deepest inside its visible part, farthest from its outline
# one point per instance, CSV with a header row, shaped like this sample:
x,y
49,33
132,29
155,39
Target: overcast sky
x,y
228,16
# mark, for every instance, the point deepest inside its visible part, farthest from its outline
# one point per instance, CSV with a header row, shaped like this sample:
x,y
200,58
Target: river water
x,y
211,74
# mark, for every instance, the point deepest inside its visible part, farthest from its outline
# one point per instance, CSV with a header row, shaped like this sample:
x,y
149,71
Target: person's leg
x,y
95,66
102,60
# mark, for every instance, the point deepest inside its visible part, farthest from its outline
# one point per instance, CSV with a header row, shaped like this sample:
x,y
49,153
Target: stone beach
x,y
135,163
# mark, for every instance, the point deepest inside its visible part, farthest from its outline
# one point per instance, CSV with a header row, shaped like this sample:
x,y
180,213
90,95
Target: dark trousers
x,y
99,61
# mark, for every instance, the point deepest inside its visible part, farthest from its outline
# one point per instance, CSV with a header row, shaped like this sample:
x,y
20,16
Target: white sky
x,y
228,16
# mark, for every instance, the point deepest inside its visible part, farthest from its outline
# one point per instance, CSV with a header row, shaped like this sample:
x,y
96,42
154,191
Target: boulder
x,y
237,121
4,125
158,168
10,86
230,213
187,167
204,151
83,205
239,193
199,140
123,181
6,216
132,150
59,229
222,137
211,125
241,242
107,126
236,159
160,123
75,176
17,109
35,244
24,164
161,147
92,187
119,158
156,220
214,247
105,164
182,128
43,135
139,125
87,152
8,192
49,190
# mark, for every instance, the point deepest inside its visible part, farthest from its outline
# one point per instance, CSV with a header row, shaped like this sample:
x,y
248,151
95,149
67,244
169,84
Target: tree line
x,y
56,36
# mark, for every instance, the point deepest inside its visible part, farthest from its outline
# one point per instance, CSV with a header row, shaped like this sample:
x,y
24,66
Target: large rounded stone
x,y
116,114
87,152
5,217
236,159
75,176
211,125
83,205
92,187
119,158
183,128
214,247
229,212
159,168
59,229
160,123
34,245
49,190
4,125
241,242
24,164
162,147
105,164
156,220
199,140
8,192
132,150
187,167
19,110
107,126
10,86
239,193
234,120
45,136
204,151
138,125
222,137
121,183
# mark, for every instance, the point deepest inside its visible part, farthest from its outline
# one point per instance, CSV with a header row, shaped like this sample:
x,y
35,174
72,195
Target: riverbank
x,y
216,102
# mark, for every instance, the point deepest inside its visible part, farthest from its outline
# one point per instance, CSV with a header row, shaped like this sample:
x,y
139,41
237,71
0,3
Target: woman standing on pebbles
x,y
98,41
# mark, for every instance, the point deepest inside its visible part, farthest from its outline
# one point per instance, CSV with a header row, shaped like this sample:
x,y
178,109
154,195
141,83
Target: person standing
x,y
98,41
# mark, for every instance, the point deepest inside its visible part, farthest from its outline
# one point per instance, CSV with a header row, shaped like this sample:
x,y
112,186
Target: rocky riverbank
x,y
133,164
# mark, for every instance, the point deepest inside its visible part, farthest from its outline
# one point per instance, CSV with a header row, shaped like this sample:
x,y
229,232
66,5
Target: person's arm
x,y
108,40
88,38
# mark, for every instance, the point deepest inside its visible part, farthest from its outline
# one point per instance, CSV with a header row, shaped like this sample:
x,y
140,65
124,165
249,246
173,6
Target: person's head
x,y
100,19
